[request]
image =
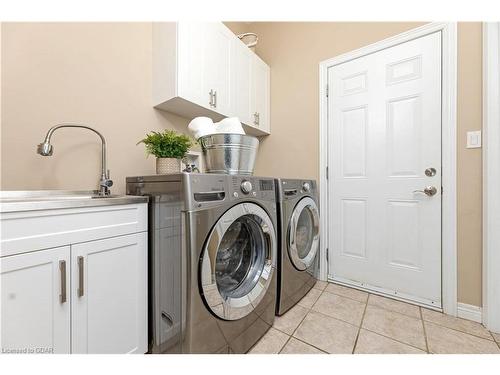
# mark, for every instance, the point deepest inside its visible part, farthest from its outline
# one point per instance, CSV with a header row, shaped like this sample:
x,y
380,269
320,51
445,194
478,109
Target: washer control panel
x,y
252,187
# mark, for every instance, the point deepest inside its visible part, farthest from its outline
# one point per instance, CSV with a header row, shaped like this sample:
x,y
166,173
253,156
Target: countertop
x,y
33,200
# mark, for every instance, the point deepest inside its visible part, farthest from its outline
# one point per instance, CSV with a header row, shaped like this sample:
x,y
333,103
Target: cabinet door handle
x,y
80,276
215,99
62,270
211,100
256,118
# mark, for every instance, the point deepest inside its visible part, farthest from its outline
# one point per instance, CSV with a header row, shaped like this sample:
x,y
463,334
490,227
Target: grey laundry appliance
x,y
212,260
298,240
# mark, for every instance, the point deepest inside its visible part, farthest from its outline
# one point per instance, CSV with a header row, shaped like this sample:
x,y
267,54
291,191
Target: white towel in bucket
x,y
229,125
201,126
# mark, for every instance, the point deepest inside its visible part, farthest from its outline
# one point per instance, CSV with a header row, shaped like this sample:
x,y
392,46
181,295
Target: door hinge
x,y
327,91
327,255
327,173
442,190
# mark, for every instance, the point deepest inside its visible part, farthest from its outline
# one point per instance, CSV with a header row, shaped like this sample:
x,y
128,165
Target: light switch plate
x,y
474,139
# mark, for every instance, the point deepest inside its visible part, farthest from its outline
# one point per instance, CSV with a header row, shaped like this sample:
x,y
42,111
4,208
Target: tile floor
x,y
336,319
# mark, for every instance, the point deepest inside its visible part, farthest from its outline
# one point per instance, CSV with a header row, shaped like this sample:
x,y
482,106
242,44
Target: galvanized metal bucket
x,y
229,153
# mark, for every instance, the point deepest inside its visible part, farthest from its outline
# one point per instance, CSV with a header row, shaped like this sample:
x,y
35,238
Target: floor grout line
x,y
393,339
360,325
307,312
458,330
425,332
341,295
305,342
333,317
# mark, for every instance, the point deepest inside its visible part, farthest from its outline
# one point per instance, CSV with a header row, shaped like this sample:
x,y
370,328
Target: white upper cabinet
x,y
242,75
259,104
188,82
203,69
217,75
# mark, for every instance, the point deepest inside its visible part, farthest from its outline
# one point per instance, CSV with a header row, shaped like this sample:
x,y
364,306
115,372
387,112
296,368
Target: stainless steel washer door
x,y
303,234
238,261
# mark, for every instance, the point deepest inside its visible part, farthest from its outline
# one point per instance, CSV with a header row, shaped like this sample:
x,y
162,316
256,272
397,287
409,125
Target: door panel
x,y
192,62
260,94
242,74
238,261
354,142
217,69
353,240
33,315
384,131
110,311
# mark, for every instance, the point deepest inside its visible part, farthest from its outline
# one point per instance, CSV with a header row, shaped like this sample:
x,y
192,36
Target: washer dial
x,y
246,186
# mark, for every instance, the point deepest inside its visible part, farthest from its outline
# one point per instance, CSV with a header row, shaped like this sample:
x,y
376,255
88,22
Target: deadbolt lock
x,y
429,172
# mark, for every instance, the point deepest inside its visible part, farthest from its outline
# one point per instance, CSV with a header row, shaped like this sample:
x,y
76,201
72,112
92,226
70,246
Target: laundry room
x,y
249,186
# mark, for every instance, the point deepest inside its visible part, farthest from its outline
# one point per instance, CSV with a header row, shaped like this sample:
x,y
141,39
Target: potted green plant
x,y
169,147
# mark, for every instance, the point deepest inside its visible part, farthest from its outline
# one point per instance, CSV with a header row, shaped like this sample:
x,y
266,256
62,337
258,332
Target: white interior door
x,y
384,129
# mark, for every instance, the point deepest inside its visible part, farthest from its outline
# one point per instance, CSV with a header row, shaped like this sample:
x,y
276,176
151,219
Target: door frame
x,y
448,150
491,176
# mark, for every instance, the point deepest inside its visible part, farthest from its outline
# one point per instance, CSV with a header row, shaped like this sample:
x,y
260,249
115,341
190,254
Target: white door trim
x,y
449,96
491,176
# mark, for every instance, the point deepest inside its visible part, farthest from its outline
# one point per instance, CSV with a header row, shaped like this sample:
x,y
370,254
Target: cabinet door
x,y
242,73
35,302
217,75
109,303
260,94
191,39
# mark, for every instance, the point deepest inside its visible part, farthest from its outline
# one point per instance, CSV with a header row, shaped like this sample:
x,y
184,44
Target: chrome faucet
x,y
46,149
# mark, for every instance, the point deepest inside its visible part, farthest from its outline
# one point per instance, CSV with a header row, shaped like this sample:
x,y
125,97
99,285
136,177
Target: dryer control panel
x,y
293,189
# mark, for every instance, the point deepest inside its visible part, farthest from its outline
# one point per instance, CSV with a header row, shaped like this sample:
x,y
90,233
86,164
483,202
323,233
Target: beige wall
x,y
95,73
100,74
293,50
469,164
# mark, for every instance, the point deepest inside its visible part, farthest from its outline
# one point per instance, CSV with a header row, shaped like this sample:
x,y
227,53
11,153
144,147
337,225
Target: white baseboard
x,y
470,312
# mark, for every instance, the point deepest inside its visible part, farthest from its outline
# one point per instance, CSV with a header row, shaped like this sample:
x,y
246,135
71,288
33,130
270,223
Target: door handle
x,y
429,191
215,99
80,276
62,270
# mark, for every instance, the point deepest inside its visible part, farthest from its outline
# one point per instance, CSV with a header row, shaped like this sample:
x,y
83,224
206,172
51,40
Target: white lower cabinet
x,y
35,306
86,292
109,288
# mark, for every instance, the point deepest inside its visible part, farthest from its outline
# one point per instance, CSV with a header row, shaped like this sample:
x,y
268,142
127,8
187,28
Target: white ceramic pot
x,y
168,165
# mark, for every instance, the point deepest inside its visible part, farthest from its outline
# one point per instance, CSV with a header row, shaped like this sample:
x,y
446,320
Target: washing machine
x,y
212,261
298,241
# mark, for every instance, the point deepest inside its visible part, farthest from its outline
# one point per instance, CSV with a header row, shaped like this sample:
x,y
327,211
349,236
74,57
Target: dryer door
x,y
303,234
238,261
